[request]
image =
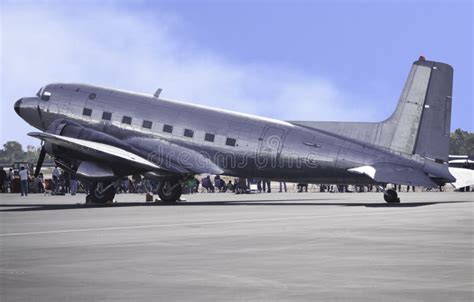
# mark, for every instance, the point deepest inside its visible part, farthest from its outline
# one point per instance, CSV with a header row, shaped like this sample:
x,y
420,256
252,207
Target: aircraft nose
x,y
17,106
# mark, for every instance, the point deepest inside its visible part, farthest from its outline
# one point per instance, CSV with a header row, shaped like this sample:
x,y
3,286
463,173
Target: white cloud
x,y
106,46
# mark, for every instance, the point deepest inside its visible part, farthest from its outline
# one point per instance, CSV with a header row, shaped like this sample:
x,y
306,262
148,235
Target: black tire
x,y
96,196
169,191
391,196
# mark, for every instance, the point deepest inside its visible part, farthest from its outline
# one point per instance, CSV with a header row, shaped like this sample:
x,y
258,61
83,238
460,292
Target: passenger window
x,y
106,116
147,124
230,141
87,112
126,120
92,96
209,137
188,133
168,128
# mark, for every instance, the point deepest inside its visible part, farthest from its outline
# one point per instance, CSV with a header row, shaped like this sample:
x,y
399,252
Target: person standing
x,y
62,182
24,181
259,185
283,185
73,184
205,184
67,182
39,182
11,177
197,185
217,182
209,182
230,186
267,186
56,179
237,185
3,181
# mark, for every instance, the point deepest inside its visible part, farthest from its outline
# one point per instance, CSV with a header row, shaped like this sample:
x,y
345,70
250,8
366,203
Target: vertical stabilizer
x,y
421,122
422,119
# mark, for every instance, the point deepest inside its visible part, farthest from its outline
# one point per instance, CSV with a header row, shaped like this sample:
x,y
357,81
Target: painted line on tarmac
x,y
149,226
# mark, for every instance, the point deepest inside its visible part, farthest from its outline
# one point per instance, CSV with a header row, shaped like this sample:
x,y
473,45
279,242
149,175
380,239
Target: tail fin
x,y
421,122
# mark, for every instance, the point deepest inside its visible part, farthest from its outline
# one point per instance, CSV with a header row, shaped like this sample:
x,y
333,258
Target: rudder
x,y
435,127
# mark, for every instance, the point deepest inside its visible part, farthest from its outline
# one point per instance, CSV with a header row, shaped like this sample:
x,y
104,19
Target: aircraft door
x,y
269,149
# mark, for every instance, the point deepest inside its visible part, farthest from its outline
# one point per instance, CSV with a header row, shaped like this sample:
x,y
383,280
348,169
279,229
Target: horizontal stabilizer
x,y
464,177
395,174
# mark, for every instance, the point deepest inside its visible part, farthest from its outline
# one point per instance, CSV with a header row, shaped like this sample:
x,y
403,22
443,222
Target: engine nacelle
x,y
75,130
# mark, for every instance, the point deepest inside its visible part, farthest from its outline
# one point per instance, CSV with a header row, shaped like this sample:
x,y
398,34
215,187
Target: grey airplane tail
x,y
421,122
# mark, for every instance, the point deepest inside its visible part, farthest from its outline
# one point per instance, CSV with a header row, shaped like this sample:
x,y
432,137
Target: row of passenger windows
x,y
208,137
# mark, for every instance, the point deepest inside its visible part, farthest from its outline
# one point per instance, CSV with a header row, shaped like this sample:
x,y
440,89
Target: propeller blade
x,y
40,161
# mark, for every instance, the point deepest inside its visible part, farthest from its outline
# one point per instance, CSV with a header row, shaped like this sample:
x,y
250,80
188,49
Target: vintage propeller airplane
x,y
103,134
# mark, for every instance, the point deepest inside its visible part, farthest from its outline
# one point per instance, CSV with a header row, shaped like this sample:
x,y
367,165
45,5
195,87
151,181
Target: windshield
x,y
43,94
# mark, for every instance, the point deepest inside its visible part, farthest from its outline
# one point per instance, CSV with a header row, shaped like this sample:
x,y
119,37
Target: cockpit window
x,y
45,95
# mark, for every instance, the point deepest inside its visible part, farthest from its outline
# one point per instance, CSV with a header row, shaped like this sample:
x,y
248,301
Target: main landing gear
x,y
101,193
170,190
391,196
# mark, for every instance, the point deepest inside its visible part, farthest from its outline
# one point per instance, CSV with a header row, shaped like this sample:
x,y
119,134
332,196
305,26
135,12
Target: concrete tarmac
x,y
226,247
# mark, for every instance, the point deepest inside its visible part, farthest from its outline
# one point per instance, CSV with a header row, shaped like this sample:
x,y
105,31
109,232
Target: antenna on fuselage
x,y
157,93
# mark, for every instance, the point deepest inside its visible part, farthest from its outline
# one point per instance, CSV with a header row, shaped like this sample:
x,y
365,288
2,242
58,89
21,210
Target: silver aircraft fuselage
x,y
243,145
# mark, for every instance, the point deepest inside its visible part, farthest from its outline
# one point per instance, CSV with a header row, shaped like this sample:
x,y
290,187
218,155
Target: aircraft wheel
x,y
391,196
169,190
99,195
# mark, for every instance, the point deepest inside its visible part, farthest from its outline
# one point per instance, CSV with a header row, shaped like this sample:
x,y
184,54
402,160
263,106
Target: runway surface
x,y
226,247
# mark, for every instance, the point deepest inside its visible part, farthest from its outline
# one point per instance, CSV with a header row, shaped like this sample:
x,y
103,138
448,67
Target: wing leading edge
x,y
94,149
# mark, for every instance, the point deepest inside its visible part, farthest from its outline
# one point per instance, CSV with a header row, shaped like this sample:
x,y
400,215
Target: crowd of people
x,y
63,183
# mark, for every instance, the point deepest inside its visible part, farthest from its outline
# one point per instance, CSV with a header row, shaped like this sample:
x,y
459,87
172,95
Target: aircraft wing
x,y
190,162
174,157
94,149
395,174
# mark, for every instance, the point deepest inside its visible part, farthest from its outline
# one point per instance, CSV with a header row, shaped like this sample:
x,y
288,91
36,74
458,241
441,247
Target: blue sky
x,y
294,60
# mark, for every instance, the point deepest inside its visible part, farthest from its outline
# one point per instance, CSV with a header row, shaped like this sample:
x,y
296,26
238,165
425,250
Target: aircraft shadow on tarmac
x,y
21,207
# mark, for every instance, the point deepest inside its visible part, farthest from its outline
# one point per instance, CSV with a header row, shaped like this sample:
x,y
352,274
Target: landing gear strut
x,y
101,193
169,190
391,196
